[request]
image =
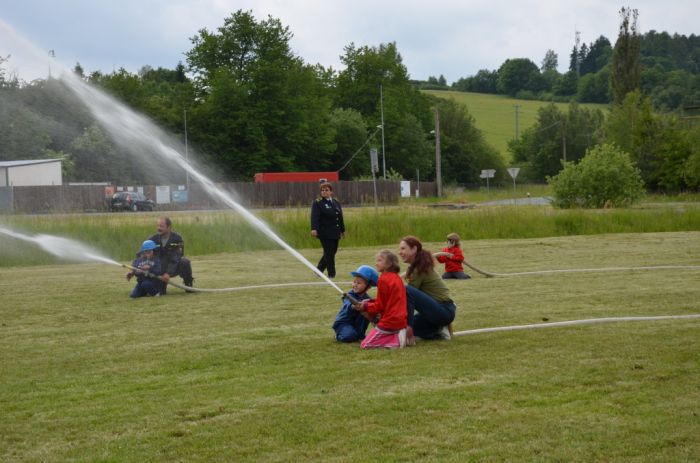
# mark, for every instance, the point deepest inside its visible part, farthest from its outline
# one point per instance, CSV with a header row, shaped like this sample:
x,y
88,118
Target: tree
x,y
625,72
550,61
518,74
260,107
556,137
606,176
407,114
463,147
597,57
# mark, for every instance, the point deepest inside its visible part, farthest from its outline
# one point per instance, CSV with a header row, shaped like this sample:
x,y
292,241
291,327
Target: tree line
x,y
251,105
669,74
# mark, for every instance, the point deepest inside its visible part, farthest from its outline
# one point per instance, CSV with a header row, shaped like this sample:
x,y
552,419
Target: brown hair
x,y
325,185
423,261
454,237
392,260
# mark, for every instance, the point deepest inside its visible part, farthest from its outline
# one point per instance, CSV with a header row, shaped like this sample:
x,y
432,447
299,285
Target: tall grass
x,y
119,235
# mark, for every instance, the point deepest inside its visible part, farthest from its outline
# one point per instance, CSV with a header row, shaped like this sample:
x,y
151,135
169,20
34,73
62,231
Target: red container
x,y
287,177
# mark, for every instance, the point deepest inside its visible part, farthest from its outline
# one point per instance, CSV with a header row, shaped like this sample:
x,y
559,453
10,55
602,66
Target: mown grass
x,y
119,235
495,114
90,375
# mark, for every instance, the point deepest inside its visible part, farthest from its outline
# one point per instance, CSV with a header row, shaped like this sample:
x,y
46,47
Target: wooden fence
x,y
82,198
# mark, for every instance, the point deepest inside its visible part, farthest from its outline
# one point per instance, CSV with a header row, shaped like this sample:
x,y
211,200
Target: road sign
x,y
488,173
513,171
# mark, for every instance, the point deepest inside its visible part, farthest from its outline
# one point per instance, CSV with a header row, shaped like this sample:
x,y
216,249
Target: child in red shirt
x,y
392,330
452,257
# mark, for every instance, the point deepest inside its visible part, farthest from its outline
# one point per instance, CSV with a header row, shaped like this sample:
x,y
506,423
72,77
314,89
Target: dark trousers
x,y
431,315
330,247
184,270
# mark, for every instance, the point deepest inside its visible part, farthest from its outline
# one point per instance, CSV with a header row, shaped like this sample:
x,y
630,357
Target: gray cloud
x,y
453,38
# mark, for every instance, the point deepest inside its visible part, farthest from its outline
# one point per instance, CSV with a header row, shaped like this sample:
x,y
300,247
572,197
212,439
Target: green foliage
x,y
625,68
659,144
556,136
518,74
606,176
262,109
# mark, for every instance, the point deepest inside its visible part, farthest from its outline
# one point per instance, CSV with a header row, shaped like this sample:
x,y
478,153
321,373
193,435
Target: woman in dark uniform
x,y
327,225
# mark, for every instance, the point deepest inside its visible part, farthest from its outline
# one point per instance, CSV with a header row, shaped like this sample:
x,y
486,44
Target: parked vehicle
x,y
131,201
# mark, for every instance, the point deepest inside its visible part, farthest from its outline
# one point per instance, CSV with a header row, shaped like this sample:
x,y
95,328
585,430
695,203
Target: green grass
x,y
118,236
495,114
90,375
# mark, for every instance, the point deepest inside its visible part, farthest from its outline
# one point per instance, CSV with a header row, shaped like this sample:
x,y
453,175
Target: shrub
x,y
605,176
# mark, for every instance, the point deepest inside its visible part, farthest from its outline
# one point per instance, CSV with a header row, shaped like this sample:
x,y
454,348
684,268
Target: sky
x,y
452,38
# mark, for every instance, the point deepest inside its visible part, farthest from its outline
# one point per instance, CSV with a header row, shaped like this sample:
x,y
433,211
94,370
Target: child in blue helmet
x,y
350,325
147,262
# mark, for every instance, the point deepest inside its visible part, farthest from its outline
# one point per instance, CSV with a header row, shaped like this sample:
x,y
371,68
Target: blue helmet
x,y
148,245
368,273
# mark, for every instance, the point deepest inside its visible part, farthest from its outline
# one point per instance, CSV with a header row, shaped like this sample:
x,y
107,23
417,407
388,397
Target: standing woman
x,y
327,225
430,308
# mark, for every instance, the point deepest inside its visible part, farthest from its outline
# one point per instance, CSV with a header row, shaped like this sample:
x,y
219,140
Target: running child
x,y
452,257
392,329
350,325
147,262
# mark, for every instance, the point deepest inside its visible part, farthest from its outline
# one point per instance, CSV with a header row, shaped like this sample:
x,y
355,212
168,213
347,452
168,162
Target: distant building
x,y
31,173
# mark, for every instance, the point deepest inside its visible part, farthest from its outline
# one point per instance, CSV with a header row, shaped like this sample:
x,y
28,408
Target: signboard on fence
x,y
179,196
405,188
163,194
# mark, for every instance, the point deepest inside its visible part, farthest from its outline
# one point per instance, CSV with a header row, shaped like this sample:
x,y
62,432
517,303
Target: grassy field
x,y
495,114
90,375
118,236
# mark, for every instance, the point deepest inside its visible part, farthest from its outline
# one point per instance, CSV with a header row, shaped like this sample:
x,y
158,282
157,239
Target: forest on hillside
x,y
670,74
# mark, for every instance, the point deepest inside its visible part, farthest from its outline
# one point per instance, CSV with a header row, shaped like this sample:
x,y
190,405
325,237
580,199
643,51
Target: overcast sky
x,y
450,37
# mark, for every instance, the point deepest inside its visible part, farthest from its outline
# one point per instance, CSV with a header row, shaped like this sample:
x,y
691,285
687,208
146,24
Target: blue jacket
x,y
142,261
349,316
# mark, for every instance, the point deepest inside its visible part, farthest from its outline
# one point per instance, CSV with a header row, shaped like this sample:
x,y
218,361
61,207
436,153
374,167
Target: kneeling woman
x,y
430,308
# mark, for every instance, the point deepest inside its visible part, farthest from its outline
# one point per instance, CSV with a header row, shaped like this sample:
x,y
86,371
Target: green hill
x,y
495,114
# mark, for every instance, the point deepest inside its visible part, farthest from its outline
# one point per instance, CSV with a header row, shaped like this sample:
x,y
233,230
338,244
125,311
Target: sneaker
x,y
444,333
410,338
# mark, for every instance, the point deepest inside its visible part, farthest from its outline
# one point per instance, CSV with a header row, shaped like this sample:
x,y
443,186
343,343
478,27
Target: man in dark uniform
x,y
170,250
328,226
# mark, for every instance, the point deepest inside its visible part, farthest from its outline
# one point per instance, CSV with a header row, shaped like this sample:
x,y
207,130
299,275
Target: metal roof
x,y
26,163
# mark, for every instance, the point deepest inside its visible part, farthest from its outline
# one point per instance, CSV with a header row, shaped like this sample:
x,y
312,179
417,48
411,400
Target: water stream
x,y
140,135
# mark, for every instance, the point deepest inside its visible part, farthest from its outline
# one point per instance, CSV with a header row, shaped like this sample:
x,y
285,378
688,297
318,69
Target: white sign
x,y
373,160
405,189
163,194
487,173
513,171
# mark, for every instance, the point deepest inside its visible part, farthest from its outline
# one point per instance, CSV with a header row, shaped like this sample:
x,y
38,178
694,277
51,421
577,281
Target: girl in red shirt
x,y
452,257
389,307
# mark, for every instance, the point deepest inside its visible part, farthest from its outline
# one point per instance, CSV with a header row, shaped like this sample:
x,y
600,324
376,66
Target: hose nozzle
x,y
350,298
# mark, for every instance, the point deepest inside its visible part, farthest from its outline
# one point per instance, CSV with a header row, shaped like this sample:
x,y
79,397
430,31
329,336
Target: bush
x,y
605,177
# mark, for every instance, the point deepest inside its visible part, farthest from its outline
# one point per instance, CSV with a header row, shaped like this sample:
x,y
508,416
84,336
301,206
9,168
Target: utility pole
x,y
517,114
52,54
563,144
187,171
381,106
438,167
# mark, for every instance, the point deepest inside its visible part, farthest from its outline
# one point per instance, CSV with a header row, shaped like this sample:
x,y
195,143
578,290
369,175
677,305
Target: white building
x,y
31,173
